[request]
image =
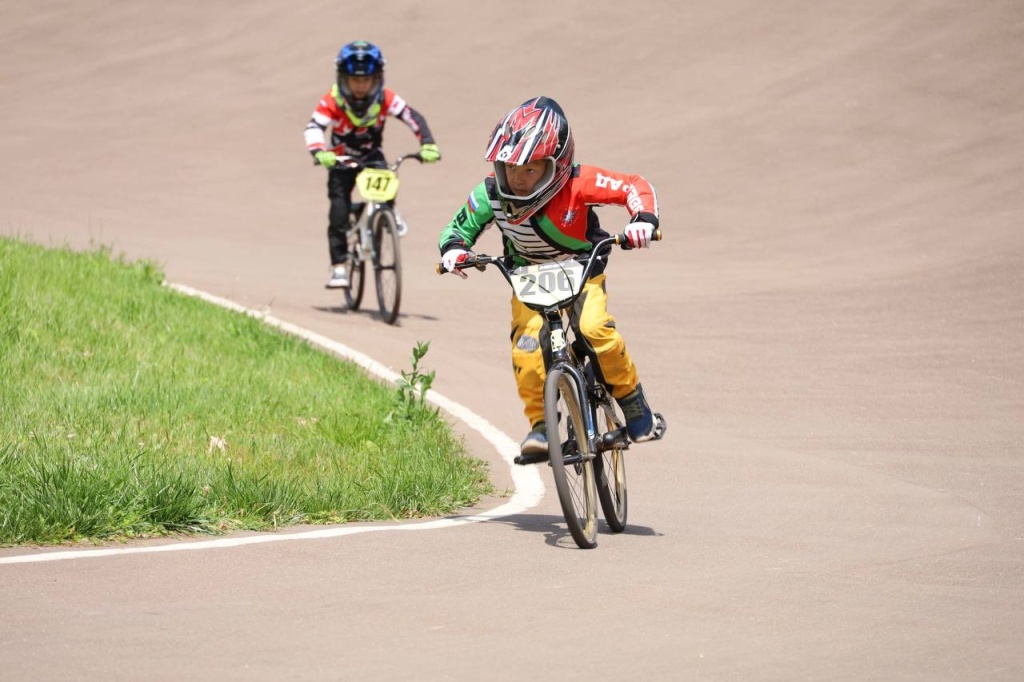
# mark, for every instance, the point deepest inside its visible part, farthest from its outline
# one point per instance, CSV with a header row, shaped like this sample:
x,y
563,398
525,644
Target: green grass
x,y
130,410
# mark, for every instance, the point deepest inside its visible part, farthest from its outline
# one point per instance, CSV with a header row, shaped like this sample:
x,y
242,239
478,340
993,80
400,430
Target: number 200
x,y
547,282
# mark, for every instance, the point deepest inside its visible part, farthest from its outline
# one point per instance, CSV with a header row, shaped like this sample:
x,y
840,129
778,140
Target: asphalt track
x,y
833,328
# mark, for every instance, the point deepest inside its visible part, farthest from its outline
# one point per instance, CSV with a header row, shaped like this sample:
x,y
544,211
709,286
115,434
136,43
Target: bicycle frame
x,y
378,187
377,227
563,357
362,215
580,449
552,289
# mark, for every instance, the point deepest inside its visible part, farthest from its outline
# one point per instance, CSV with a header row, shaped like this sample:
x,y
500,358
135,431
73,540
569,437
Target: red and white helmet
x,y
536,129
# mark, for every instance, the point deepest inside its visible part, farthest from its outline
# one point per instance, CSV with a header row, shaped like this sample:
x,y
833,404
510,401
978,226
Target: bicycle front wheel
x,y
610,468
572,464
387,263
356,270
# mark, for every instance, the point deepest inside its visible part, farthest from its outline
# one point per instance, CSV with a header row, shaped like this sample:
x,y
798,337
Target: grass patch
x,y
130,410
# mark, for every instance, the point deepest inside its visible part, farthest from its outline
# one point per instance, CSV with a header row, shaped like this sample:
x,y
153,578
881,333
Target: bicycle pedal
x,y
661,427
526,460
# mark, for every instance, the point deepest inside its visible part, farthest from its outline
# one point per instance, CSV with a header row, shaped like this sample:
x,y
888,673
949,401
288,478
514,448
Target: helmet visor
x,y
359,87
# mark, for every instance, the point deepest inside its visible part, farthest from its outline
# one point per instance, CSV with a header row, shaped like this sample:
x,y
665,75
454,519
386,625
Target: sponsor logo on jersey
x,y
633,201
604,181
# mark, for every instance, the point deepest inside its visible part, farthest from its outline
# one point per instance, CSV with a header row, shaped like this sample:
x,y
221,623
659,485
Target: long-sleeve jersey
x,y
348,139
566,225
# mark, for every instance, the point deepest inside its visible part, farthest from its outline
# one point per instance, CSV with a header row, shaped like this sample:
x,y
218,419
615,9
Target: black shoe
x,y
640,423
536,441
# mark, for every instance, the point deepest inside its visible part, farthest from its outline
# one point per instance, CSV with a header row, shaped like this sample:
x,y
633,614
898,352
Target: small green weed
x,y
413,386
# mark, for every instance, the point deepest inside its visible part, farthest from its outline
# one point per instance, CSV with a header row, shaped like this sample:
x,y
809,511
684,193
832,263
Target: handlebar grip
x,y
440,269
620,239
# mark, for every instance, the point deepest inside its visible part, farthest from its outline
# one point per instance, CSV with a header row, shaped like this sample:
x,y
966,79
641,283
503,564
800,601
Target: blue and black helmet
x,y
360,58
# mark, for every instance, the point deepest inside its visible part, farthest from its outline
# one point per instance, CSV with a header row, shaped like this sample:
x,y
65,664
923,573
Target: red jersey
x,y
350,139
564,226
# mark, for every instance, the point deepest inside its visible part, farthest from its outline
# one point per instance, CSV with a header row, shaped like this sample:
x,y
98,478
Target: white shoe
x,y
403,227
339,278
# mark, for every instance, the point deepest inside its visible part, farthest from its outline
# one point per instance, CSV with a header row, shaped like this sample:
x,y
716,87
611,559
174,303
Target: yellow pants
x,y
593,324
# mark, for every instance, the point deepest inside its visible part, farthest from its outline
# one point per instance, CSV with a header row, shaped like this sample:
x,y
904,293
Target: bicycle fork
x,y
362,227
563,358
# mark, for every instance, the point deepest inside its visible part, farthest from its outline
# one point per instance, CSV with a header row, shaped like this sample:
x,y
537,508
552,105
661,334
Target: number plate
x,y
547,284
377,184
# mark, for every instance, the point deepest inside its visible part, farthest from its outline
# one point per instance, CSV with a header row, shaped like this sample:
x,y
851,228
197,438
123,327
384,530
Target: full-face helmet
x,y
535,130
360,58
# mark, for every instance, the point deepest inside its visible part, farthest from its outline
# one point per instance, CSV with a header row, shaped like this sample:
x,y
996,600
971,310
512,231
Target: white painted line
x,y
529,489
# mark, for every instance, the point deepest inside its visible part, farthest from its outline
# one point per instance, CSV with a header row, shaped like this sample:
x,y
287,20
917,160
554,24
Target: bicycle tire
x,y
387,263
610,469
356,270
571,464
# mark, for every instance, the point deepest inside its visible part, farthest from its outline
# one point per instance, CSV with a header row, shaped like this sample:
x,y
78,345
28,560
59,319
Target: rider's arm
x,y
323,116
600,187
400,109
472,218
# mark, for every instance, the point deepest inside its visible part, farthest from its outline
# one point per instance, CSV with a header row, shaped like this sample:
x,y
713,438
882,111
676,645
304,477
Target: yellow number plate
x,y
377,184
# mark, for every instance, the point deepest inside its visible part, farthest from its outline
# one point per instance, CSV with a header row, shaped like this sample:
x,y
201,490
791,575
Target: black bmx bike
x,y
587,439
374,240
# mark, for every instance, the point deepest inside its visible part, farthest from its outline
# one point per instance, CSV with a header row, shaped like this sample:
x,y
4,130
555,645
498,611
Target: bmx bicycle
x,y
586,431
374,238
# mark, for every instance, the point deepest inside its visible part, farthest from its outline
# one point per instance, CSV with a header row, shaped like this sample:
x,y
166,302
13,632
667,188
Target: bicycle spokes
x,y
572,464
387,266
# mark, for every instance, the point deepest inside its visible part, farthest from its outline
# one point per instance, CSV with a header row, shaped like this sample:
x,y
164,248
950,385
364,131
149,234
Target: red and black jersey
x,y
350,139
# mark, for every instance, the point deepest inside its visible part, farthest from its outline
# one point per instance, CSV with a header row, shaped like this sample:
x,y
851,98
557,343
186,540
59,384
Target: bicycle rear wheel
x,y
571,463
356,270
610,468
387,266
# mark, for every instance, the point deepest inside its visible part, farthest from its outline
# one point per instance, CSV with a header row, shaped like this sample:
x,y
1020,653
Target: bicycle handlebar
x,y
481,261
352,163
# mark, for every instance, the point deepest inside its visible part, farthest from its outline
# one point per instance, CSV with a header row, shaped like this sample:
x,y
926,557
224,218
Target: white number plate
x,y
547,284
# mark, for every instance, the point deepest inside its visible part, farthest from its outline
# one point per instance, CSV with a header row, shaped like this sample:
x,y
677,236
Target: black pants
x,y
340,182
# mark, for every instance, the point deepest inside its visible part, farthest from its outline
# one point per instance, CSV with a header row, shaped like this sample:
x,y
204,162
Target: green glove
x,y
326,159
430,153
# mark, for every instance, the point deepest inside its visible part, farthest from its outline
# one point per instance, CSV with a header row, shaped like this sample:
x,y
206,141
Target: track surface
x,y
833,327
